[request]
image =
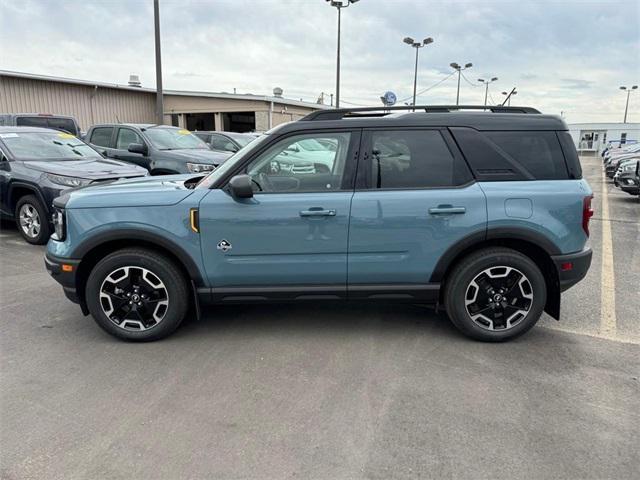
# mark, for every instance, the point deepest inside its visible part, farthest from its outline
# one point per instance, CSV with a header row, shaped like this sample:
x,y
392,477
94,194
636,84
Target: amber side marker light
x,y
67,267
194,220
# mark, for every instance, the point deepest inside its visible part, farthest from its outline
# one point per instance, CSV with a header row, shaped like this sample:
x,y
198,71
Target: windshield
x,y
231,162
174,139
47,145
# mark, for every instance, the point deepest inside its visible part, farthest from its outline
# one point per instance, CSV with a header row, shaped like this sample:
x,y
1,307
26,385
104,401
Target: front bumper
x,y
65,276
572,267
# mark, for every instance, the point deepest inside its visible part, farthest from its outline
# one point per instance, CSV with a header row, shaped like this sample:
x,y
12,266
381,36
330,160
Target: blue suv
x,y
484,214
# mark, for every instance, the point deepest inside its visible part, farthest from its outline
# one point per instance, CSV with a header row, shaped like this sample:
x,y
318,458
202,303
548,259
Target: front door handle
x,y
317,212
446,210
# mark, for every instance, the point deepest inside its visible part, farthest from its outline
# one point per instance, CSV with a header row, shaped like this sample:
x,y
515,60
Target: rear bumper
x,y
572,267
65,278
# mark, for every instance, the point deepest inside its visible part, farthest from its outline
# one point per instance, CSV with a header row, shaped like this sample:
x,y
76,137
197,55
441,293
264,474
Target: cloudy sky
x,y
563,56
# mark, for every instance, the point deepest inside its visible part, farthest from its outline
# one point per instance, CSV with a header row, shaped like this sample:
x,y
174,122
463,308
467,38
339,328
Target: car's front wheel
x,y
32,220
495,294
137,294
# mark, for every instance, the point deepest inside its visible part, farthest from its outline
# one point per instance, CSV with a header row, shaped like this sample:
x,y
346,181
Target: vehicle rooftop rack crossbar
x,y
339,113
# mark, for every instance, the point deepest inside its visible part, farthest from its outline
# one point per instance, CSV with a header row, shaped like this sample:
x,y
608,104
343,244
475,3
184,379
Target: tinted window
x,y
570,155
538,152
289,167
126,137
101,136
413,159
31,122
64,124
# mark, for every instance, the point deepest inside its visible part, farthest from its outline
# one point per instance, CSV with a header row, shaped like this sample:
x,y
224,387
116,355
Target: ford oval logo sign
x,y
389,99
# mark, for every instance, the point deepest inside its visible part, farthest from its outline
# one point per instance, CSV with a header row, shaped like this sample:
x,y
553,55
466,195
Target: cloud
x,y
561,55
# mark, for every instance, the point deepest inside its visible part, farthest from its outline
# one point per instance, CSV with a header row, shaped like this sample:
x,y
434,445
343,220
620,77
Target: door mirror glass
x,y
240,186
137,148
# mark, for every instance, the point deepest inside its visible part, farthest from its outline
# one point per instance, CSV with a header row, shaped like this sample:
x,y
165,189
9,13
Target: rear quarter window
x,y
537,152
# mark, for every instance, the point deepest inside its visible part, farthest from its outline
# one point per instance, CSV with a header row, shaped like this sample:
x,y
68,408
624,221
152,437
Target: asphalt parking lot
x,y
336,391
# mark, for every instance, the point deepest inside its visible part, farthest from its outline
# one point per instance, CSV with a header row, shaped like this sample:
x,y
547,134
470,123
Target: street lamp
x,y
339,4
486,85
459,69
626,107
508,99
417,45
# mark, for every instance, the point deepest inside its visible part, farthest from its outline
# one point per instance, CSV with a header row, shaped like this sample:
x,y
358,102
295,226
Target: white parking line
x,y
608,322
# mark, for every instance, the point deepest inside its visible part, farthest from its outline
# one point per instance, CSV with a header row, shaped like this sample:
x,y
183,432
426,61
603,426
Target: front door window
x,y
302,163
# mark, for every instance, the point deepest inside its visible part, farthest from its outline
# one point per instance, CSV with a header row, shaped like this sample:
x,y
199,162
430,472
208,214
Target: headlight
x,y
200,167
59,226
68,181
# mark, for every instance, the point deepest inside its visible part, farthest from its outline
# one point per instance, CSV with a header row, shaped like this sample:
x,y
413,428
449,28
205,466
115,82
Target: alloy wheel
x,y
29,220
134,298
499,298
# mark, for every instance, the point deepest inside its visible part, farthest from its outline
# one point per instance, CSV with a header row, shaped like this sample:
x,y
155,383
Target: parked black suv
x,y
37,164
160,149
63,123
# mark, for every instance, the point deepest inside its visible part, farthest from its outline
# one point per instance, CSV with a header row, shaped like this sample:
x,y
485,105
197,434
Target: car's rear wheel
x,y
137,295
495,294
32,220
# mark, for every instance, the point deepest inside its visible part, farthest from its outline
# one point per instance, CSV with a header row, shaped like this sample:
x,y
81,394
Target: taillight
x,y
587,213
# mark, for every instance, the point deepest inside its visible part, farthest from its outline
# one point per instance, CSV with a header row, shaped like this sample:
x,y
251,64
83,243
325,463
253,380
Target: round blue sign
x,y
389,98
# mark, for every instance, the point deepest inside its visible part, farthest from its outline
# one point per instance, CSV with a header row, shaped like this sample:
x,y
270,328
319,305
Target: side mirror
x,y
241,187
138,148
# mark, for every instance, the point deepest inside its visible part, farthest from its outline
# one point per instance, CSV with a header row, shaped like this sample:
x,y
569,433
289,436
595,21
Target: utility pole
x,y
626,107
159,99
512,92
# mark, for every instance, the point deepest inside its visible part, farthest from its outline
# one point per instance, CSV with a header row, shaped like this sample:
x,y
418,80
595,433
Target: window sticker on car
x,y
9,135
65,135
184,132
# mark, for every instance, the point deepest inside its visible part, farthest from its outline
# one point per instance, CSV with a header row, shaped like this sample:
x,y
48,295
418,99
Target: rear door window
x,y
538,152
101,136
412,159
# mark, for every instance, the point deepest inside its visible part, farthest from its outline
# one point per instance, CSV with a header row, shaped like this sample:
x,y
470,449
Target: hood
x,y
138,192
199,155
94,169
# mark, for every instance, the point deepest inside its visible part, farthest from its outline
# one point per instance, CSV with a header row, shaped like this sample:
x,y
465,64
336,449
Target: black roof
x,y
482,118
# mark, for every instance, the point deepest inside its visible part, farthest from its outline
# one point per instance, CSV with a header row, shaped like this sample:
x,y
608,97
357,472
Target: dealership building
x,y
94,102
593,137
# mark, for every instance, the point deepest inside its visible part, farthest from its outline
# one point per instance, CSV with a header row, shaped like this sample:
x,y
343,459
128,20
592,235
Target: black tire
x,y
31,203
459,284
163,268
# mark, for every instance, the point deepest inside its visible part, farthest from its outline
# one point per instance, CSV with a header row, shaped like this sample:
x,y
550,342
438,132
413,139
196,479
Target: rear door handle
x,y
317,212
446,210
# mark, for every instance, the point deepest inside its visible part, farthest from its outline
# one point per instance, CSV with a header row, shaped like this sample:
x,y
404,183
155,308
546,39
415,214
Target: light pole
x,y
509,95
417,45
459,69
339,5
626,107
486,87
159,99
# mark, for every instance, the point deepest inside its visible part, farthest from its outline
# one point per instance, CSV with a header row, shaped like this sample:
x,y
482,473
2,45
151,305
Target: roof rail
x,y
340,113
